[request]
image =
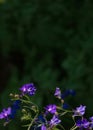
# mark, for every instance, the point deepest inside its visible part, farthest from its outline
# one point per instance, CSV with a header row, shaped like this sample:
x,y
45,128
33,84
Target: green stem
x,y
63,113
25,101
62,127
73,128
32,121
27,97
60,108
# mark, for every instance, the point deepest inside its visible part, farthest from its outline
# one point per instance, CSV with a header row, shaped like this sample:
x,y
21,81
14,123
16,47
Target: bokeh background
x,y
49,43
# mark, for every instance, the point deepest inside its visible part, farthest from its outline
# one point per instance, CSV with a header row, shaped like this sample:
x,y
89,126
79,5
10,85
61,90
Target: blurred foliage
x,y
49,43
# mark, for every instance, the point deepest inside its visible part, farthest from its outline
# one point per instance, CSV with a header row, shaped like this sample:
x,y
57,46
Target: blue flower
x,y
72,92
14,107
16,104
65,106
67,93
35,128
41,119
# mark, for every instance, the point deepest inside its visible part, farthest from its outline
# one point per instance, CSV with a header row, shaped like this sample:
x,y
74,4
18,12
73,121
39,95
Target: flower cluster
x,y
51,117
29,89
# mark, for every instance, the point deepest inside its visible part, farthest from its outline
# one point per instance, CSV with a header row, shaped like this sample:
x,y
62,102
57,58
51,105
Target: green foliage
x,y
55,129
49,43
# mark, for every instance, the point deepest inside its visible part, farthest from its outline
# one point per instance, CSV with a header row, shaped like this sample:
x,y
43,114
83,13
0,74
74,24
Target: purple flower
x,y
54,121
57,93
29,89
80,111
5,113
91,118
51,108
43,127
83,123
91,123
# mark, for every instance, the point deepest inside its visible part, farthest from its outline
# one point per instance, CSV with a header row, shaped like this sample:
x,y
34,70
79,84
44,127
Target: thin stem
x,y
25,101
27,97
32,121
73,128
62,127
63,113
60,108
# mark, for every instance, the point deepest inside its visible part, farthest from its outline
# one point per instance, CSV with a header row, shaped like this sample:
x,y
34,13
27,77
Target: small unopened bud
x,y
33,107
16,96
23,111
56,113
11,95
62,101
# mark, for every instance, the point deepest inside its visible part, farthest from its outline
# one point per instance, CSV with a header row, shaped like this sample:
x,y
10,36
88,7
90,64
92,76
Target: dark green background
x,y
49,43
